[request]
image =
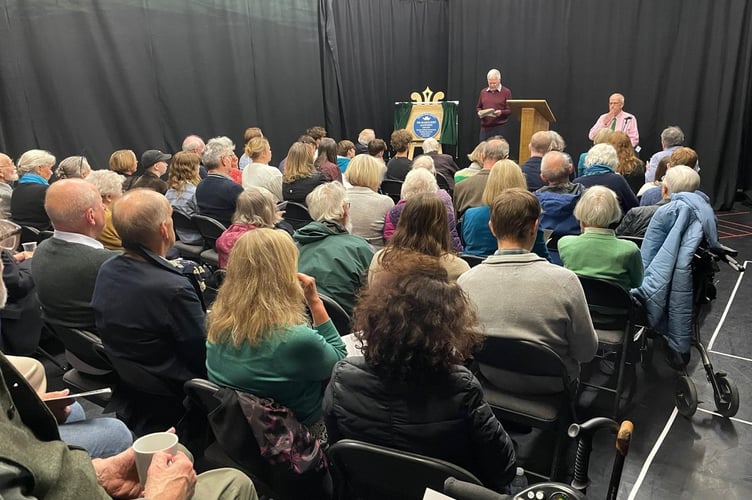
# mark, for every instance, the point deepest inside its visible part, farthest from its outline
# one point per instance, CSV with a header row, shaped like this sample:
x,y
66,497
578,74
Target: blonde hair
x,y
299,164
505,174
256,147
123,161
260,296
365,171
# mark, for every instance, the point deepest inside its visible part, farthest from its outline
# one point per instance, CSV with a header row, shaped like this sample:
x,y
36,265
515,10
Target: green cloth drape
x,y
402,112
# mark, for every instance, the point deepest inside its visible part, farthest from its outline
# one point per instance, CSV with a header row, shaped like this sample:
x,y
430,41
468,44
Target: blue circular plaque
x,y
425,126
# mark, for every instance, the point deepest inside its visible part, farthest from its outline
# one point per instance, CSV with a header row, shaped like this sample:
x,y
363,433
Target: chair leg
x,y
622,359
51,358
558,449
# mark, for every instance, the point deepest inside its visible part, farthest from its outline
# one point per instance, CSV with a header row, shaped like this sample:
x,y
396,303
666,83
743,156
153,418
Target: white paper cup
x,y
29,246
146,446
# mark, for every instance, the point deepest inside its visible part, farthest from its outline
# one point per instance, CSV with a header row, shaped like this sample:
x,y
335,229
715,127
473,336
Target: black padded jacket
x,y
446,418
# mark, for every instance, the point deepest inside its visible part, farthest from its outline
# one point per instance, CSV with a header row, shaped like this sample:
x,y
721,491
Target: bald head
x,y
143,218
540,143
8,172
194,144
555,167
75,206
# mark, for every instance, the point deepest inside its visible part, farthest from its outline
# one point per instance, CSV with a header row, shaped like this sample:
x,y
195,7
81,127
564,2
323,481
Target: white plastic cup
x,y
29,246
146,446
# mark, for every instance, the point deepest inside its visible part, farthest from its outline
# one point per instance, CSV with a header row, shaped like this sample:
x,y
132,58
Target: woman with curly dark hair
x,y
410,390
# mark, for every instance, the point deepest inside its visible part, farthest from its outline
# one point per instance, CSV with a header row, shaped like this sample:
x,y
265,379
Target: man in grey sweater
x,y
65,266
521,295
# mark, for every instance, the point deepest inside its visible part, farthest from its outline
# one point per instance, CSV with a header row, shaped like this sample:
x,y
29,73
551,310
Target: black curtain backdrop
x,y
94,76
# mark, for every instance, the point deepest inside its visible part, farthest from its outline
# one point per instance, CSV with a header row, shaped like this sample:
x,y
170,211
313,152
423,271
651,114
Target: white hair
x,y
32,159
430,145
681,179
326,202
493,73
602,154
193,142
418,181
424,162
366,135
215,149
598,207
106,181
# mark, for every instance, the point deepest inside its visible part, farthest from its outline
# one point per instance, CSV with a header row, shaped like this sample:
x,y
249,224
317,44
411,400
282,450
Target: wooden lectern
x,y
534,115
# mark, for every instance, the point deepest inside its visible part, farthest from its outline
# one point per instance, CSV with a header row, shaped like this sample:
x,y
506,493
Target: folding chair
x,y
364,471
210,230
296,214
182,222
392,188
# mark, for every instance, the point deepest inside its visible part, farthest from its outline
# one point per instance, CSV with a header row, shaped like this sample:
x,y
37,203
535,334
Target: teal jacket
x,y
337,259
288,367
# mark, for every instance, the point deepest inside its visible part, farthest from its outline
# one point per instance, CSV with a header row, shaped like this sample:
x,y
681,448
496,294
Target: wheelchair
x,y
725,392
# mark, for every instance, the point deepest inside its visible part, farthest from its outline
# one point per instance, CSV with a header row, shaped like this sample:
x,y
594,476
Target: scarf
x,y
598,168
33,179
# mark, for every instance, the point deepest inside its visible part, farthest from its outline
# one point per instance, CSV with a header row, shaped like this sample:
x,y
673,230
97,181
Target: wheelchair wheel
x,y
727,397
685,396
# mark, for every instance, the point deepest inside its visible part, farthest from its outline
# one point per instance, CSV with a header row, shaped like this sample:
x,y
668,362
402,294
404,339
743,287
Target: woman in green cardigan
x,y
259,337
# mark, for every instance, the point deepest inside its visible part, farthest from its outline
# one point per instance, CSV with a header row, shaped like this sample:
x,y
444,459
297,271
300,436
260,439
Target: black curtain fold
x,y
93,76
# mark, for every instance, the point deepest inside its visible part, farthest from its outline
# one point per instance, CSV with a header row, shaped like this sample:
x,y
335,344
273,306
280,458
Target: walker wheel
x,y
685,396
727,397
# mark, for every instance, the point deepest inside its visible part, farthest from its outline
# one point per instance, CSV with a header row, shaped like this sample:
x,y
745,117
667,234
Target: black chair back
x,y
611,306
182,221
472,260
369,471
81,344
392,188
232,444
522,356
338,315
210,229
297,215
443,183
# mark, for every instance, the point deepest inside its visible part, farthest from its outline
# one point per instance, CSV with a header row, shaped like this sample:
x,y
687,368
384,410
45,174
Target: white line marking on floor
x,y
651,456
731,355
747,422
725,311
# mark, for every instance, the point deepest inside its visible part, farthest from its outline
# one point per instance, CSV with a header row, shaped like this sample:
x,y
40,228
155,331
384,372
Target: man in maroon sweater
x,y
494,97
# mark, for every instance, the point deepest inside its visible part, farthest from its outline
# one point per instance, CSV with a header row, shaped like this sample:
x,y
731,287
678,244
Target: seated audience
x,y
540,144
680,156
367,207
476,164
660,171
400,164
377,148
410,390
110,187
27,202
181,192
366,135
148,312
22,306
630,166
195,144
423,229
671,138
443,164
506,286
559,196
36,463
300,176
601,137
479,240
416,183
600,164
328,252
258,172
217,194
125,163
259,338
8,176
308,141
65,266
682,180
255,209
345,153
154,163
469,193
249,134
73,167
597,252
326,161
